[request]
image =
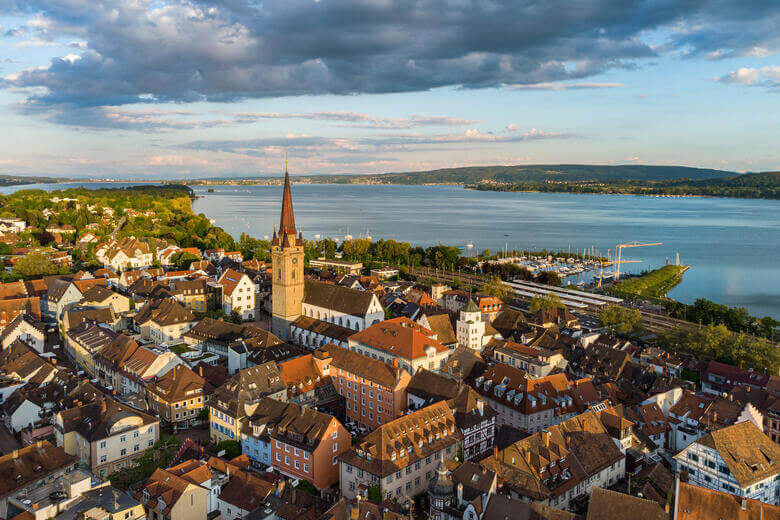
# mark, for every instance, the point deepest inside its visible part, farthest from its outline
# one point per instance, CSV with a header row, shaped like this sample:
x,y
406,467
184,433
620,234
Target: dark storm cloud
x,y
238,49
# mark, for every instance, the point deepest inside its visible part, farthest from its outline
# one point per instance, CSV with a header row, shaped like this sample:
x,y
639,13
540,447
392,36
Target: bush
x,y
232,449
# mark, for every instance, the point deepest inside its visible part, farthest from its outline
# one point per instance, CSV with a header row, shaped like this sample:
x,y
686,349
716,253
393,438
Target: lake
x,y
732,245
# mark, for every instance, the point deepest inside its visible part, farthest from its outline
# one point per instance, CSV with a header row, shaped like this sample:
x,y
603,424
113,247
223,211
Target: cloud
x,y
565,86
360,120
305,146
768,76
225,50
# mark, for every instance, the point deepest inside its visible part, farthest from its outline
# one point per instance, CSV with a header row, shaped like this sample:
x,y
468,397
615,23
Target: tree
x,y
545,301
232,449
620,319
203,414
549,278
183,259
235,317
34,265
494,287
308,487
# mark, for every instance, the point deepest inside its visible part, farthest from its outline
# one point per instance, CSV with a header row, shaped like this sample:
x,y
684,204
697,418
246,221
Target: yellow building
x,y
166,496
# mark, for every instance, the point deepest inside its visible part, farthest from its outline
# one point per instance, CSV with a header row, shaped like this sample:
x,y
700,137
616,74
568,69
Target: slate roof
x,y
441,325
22,467
337,298
93,421
175,384
247,386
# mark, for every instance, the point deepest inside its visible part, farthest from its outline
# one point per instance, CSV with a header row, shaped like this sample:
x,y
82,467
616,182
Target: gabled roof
x,y
749,453
403,441
292,423
176,384
164,312
337,298
30,464
400,337
700,503
441,325
230,280
94,421
611,505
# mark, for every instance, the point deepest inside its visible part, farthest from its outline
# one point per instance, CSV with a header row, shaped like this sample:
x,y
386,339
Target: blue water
x,y
732,245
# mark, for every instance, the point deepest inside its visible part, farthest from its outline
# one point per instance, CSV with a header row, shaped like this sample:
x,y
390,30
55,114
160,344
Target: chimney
x,y
481,407
546,437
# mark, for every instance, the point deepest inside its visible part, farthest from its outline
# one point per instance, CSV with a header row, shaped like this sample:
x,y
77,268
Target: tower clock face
x,y
295,260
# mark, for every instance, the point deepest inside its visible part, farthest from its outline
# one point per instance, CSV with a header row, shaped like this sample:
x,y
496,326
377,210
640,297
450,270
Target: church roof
x,y
471,307
287,219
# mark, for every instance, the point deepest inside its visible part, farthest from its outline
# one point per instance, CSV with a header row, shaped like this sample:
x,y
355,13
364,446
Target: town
x,y
149,372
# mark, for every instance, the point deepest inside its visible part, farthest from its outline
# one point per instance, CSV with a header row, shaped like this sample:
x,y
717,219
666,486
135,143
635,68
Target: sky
x,y
220,88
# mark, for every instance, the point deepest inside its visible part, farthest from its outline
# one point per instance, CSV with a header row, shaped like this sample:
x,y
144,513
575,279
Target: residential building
x,y
401,456
476,422
234,401
533,404
720,378
300,442
65,291
401,339
739,459
564,462
10,309
164,321
104,316
440,325
106,435
238,294
374,391
470,327
144,364
701,503
167,496
100,296
534,361
178,396
26,328
23,470
78,491
199,295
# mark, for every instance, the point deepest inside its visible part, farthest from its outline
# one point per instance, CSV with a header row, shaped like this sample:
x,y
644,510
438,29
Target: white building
x,y
739,459
238,294
349,308
470,328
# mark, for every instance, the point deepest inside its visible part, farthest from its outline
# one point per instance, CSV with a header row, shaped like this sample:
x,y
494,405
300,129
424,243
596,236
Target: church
x,y
308,311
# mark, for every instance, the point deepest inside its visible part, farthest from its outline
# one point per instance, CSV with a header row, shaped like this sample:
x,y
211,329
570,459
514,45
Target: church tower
x,y
287,267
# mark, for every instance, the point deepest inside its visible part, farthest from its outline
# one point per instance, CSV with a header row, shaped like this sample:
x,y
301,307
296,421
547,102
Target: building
x,y
313,333
287,267
336,265
22,470
198,295
105,435
342,306
403,340
440,325
178,396
167,496
470,327
534,361
701,503
560,464
606,504
738,459
299,441
100,296
476,422
164,321
234,401
78,491
27,329
720,378
238,294
374,391
401,456
385,273
10,309
533,404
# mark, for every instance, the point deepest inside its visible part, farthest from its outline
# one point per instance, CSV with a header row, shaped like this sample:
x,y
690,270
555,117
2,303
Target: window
x,y
102,458
122,438
335,447
136,447
335,435
278,458
151,443
287,460
306,468
135,434
123,452
297,465
102,445
335,460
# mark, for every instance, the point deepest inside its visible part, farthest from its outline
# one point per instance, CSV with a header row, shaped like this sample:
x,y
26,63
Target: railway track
x,y
653,322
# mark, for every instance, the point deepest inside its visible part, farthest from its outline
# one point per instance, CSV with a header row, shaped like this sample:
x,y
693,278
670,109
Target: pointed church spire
x,y
287,220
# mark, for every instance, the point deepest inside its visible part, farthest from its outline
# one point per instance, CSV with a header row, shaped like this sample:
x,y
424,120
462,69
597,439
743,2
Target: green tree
x,y
549,278
232,449
235,317
203,414
620,319
494,287
545,301
34,265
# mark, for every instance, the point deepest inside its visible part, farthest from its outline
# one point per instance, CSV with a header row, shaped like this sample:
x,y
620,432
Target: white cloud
x,y
566,86
768,76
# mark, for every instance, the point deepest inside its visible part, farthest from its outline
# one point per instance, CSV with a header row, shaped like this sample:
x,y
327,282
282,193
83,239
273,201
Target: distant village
x,y
235,388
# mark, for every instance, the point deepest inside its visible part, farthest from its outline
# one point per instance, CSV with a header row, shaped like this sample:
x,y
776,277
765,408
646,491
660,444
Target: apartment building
x,y
164,321
739,459
564,462
401,456
167,496
178,396
535,361
238,294
400,339
105,435
297,441
233,402
533,404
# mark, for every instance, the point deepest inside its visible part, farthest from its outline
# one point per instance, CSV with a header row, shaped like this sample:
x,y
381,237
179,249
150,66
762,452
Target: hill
x,y
530,173
16,180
